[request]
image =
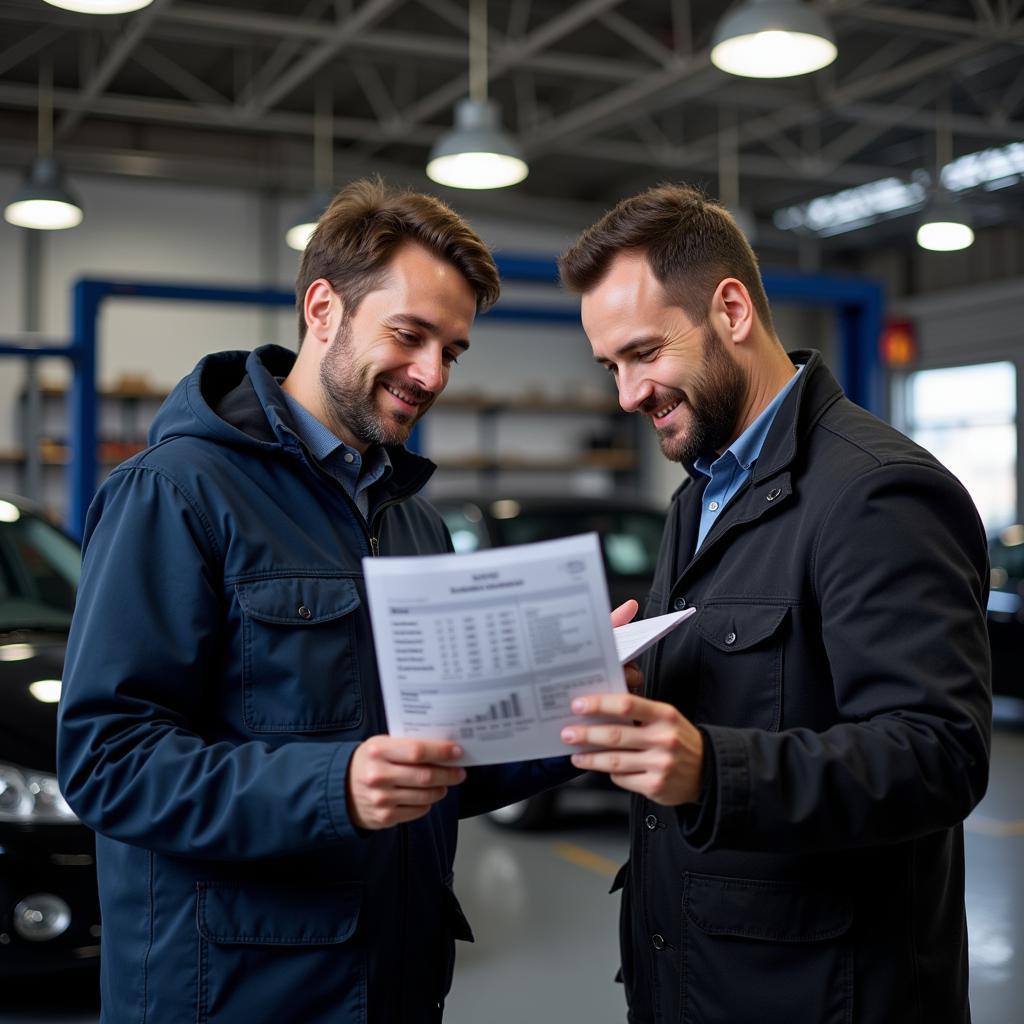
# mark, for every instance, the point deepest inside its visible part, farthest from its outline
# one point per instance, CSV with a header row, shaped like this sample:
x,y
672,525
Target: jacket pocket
x,y
279,953
741,665
300,667
755,951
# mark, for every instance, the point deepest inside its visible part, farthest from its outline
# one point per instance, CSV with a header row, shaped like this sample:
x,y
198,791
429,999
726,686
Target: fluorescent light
x,y
853,207
772,39
476,154
100,6
9,513
1003,163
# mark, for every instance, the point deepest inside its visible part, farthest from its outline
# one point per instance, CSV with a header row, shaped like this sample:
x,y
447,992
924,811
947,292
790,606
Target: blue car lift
x,y
858,306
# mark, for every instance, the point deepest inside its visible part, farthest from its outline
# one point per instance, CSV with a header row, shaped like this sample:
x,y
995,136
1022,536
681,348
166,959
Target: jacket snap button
x,y
304,612
679,603
651,822
773,494
730,638
658,941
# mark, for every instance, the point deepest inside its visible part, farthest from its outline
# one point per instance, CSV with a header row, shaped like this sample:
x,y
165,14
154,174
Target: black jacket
x,y
838,666
220,673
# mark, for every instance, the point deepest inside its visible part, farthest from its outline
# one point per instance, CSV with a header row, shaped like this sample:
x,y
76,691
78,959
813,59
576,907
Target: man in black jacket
x,y
809,745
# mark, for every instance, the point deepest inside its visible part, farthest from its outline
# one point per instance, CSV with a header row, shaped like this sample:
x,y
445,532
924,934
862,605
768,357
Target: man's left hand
x,y
649,748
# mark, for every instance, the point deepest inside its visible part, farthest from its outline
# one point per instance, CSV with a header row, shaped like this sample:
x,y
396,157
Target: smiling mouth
x,y
412,399
660,414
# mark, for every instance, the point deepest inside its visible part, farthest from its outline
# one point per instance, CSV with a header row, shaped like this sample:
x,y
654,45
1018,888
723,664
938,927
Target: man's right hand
x,y
392,779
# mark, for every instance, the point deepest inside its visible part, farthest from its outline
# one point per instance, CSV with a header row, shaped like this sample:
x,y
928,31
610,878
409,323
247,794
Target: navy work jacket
x,y
838,666
220,673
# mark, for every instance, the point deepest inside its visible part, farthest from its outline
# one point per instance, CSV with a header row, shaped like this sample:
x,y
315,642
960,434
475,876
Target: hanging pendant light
x,y
44,202
298,234
477,153
943,226
100,6
772,39
944,230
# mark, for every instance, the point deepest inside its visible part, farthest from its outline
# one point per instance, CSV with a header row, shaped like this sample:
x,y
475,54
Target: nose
x,y
634,390
428,369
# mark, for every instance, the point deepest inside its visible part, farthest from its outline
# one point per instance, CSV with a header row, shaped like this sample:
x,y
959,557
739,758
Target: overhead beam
x,y
362,18
504,60
122,50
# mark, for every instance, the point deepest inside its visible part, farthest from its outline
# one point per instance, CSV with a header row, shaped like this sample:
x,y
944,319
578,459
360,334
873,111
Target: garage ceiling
x,y
605,96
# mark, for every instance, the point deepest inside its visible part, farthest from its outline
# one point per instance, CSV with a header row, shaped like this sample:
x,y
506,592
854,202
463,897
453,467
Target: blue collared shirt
x,y
355,472
731,470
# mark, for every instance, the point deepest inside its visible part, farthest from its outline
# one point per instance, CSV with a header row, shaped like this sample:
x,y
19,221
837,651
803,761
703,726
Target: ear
x,y
322,309
732,307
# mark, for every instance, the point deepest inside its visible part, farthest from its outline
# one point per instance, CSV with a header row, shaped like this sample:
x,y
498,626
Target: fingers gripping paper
x,y
488,649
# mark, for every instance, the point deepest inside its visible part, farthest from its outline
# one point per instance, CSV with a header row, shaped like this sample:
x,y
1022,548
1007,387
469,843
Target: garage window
x,y
967,417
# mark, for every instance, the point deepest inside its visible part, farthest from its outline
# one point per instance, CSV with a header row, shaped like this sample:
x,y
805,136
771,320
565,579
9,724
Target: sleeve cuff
x,y
336,793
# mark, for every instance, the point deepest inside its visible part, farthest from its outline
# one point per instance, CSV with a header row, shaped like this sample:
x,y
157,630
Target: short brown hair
x,y
690,242
366,222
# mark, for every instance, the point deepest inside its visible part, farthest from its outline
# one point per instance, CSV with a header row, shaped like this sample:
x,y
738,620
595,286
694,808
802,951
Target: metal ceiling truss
x,y
618,86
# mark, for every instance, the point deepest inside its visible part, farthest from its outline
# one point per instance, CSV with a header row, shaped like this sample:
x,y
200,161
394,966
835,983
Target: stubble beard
x,y
717,399
350,396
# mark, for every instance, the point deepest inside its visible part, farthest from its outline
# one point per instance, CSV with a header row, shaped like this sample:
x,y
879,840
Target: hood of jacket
x,y
235,398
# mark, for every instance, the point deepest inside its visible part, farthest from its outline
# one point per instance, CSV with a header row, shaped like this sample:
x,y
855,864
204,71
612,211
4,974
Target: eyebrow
x,y
630,346
425,325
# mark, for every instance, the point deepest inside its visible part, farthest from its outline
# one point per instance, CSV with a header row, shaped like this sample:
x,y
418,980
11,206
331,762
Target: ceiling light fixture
x,y
477,153
100,6
301,229
43,202
943,227
772,39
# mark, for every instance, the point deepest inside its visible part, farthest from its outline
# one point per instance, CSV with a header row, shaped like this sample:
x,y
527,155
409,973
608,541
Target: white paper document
x,y
488,649
634,638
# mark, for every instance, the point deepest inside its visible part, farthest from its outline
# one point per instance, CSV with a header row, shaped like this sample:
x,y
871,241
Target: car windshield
x,y
629,538
39,569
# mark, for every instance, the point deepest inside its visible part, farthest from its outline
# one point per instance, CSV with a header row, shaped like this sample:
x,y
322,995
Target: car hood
x,y
28,726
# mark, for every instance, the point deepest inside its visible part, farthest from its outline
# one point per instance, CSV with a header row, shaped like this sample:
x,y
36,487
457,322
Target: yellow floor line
x,y
586,859
993,826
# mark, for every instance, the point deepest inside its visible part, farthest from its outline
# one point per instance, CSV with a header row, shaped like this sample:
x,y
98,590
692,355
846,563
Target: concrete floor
x,y
546,944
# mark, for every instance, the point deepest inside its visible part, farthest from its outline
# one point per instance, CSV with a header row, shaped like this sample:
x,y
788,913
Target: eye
x,y
450,358
646,355
406,337
611,368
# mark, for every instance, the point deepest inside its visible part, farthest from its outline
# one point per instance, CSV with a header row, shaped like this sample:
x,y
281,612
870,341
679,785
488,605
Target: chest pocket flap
x,y
300,654
278,916
298,600
758,909
737,626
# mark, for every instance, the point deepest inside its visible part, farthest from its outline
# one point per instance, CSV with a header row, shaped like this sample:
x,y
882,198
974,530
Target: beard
x,y
715,401
349,394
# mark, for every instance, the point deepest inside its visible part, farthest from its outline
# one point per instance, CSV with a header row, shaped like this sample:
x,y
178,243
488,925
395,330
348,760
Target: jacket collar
x,y
257,406
815,390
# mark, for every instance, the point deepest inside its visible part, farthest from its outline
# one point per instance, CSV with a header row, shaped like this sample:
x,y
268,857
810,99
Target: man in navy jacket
x,y
810,742
264,851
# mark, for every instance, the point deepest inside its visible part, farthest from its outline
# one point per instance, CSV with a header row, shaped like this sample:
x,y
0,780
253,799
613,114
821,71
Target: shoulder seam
x,y
185,495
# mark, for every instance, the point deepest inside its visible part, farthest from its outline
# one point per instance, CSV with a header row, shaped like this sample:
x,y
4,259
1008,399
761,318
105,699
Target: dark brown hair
x,y
367,222
690,242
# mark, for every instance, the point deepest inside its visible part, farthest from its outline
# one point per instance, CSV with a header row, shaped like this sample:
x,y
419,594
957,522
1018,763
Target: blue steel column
x,y
86,299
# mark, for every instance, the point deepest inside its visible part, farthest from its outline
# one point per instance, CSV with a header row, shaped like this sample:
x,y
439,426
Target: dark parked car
x,y
49,911
1006,614
630,533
